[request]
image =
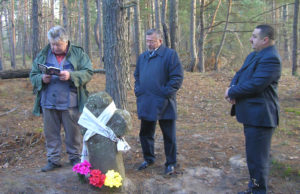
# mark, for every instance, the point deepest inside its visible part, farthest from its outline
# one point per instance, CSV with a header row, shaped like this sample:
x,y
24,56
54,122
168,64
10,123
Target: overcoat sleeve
x,y
175,76
267,71
84,71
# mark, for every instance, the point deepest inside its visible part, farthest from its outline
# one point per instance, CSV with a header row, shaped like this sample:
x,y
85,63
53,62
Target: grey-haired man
x,y
60,98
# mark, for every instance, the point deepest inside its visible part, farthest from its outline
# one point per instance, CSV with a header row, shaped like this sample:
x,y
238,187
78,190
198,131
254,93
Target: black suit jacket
x,y
254,87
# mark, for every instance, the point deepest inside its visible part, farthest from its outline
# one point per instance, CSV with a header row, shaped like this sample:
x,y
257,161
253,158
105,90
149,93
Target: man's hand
x,y
46,78
64,75
231,101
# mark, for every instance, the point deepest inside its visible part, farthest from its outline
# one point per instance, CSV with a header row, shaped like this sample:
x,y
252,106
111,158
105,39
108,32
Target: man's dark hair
x,y
154,31
266,31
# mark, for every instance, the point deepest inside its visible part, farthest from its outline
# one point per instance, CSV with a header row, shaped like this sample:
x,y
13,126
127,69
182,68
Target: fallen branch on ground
x,y
6,113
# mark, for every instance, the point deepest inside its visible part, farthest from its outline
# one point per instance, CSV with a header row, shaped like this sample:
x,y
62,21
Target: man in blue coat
x,y
158,76
253,93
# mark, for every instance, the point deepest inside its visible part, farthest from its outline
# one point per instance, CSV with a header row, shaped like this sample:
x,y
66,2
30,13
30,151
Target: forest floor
x,y
211,152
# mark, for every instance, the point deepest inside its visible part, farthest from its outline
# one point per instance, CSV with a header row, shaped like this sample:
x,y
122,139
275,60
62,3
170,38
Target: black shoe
x,y
248,191
74,161
144,165
50,166
169,170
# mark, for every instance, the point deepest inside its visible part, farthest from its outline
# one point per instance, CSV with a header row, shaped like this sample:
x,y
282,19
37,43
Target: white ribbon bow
x,y
98,126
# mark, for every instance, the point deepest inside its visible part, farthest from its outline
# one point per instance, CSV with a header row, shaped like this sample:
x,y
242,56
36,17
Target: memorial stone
x,y
103,153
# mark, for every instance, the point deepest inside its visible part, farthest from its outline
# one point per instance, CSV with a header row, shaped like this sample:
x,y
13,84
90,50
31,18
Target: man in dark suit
x,y
158,76
253,93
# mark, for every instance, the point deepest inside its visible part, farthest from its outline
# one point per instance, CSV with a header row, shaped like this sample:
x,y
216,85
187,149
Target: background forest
x,y
202,31
212,39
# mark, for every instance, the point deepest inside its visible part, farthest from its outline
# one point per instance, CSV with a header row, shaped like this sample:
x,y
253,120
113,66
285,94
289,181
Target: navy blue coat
x,y
157,79
254,87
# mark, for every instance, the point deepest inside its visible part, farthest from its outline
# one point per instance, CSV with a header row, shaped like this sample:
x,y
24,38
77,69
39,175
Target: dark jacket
x,y
254,87
157,79
81,75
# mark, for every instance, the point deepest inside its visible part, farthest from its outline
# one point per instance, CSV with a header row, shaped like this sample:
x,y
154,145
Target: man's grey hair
x,y
154,31
57,33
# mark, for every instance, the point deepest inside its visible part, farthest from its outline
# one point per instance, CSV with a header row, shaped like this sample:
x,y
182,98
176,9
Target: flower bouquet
x,y
82,169
96,177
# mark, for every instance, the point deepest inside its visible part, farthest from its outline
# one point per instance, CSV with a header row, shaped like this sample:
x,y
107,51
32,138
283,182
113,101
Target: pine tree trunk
x,y
152,6
6,16
285,34
1,41
45,20
115,50
174,23
137,30
18,28
164,24
52,13
79,39
295,38
29,29
217,67
98,31
24,33
148,13
200,65
157,15
193,53
12,34
87,27
65,14
129,38
35,29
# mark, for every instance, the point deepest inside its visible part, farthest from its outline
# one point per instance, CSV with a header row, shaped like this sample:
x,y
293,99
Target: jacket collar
x,y
160,51
263,51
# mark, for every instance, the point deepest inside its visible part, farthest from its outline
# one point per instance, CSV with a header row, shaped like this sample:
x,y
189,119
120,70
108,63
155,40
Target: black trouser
x,y
147,132
258,143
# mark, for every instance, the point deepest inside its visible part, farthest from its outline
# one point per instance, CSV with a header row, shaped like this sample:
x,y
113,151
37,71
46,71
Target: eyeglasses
x,y
151,41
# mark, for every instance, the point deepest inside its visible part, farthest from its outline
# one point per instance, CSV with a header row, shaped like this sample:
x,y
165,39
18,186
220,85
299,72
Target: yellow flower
x,y
113,179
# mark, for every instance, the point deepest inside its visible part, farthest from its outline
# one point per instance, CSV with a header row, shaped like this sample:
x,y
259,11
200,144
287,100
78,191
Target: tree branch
x,y
270,11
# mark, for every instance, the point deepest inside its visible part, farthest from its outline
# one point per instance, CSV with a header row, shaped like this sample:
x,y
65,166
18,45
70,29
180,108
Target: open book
x,y
49,70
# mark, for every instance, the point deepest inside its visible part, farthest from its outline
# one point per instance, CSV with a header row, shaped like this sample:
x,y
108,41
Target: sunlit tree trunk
x,y
24,33
87,27
18,26
200,64
193,53
29,29
217,67
152,6
79,39
52,13
12,34
98,30
174,23
1,40
149,15
164,24
137,30
295,37
65,14
35,29
115,50
157,15
285,33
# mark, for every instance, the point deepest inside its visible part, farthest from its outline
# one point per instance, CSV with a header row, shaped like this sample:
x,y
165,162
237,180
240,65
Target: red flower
x,y
97,178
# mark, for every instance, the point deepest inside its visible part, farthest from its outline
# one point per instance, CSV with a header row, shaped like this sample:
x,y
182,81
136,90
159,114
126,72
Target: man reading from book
x,y
60,96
